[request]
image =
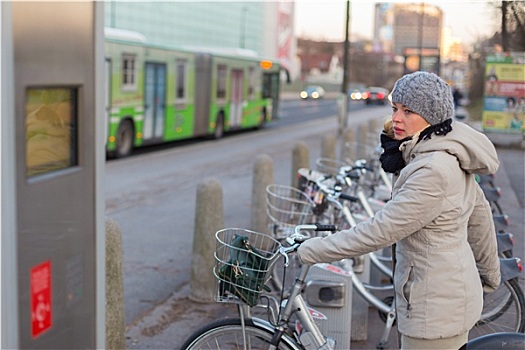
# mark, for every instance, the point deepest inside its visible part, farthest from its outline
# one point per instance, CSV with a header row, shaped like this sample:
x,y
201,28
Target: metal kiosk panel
x,y
58,150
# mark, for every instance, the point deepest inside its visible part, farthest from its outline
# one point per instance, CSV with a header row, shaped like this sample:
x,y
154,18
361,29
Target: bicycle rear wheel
x,y
503,311
507,341
228,334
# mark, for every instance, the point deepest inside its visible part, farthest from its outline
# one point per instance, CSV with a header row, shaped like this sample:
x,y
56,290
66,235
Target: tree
x,y
512,34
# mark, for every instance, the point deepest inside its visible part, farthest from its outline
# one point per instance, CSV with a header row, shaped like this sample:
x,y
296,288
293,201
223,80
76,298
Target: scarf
x,y
392,159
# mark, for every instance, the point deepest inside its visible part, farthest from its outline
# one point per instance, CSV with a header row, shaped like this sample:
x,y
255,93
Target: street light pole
x,y
420,34
343,99
344,87
242,40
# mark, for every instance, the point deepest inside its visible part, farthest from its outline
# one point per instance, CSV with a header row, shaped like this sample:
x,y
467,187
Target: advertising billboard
x,y
504,95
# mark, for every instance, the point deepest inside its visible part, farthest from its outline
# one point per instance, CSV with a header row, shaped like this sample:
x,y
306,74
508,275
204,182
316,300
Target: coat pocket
x,y
404,288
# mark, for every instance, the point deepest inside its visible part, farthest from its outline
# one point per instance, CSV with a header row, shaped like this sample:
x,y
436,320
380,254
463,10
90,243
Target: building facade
x,y
412,31
264,27
400,25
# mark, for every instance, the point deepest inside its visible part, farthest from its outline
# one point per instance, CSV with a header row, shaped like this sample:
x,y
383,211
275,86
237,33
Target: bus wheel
x,y
219,127
124,139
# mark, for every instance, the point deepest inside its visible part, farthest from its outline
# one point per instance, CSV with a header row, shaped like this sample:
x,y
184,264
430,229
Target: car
x,y
356,94
375,94
313,92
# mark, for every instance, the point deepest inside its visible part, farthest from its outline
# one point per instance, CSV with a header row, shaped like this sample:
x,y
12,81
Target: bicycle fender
x,y
504,241
290,342
510,268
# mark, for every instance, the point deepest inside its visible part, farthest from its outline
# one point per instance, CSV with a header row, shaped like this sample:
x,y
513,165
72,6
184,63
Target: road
x,y
152,195
298,111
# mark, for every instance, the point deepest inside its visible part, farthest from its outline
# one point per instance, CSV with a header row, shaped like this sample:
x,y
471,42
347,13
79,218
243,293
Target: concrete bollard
x,y
375,126
362,141
262,177
209,218
362,133
348,148
115,324
328,146
300,159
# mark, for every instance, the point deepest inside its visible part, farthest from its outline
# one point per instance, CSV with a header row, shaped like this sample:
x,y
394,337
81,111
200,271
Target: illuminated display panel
x,y
51,129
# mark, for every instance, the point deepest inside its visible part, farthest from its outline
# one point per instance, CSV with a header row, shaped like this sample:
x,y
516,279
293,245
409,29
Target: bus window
x,y
181,90
221,81
129,72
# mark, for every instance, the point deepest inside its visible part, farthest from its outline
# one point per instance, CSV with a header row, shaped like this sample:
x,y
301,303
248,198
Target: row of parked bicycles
x,y
262,275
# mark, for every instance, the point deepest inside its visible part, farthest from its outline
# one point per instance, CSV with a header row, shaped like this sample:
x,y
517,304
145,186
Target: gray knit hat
x,y
426,94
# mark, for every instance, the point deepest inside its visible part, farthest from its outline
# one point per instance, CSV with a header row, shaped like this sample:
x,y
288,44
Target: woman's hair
x,y
388,127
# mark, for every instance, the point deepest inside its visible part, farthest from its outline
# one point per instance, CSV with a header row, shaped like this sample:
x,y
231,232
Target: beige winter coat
x,y
446,242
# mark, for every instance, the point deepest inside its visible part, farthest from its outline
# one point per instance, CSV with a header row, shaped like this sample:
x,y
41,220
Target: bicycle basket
x,y
287,207
243,262
329,166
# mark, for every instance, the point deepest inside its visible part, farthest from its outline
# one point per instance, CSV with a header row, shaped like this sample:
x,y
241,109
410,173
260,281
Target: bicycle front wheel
x,y
229,334
503,311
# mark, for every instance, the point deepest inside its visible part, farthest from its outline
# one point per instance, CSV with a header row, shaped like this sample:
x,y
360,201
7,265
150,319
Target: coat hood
x,y
473,150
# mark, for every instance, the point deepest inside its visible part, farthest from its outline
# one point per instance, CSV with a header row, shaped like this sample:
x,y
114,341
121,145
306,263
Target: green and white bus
x,y
159,94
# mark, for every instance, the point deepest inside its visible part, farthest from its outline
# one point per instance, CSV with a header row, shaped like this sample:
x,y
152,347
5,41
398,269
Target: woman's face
x,y
406,122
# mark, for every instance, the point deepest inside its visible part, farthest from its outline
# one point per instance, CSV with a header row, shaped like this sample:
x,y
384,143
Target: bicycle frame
x,y
298,305
293,305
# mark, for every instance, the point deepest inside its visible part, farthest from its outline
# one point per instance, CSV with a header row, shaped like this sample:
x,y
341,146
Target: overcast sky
x,y
325,19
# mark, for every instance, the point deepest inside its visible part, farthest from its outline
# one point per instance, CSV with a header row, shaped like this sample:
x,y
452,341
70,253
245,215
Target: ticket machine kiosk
x,y
52,141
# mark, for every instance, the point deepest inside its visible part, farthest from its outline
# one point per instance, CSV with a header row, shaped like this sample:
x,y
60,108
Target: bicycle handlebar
x,y
315,227
297,238
359,165
349,197
336,190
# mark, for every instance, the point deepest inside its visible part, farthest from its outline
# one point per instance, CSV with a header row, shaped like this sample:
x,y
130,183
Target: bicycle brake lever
x,y
295,238
286,259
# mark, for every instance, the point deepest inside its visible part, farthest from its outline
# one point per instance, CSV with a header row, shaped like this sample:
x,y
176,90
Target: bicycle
x,y
286,207
248,332
376,182
280,330
505,305
326,192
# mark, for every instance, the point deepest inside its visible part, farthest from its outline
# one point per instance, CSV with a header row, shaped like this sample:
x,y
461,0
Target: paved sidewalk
x,y
170,323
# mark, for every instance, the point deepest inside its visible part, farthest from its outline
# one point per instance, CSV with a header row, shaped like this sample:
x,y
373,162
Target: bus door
x,y
236,98
154,102
271,90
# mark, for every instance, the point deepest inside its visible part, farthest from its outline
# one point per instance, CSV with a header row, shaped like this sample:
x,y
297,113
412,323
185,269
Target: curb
x,y
172,321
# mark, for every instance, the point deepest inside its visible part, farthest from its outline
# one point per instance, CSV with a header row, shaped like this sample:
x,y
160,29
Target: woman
x,y
442,225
